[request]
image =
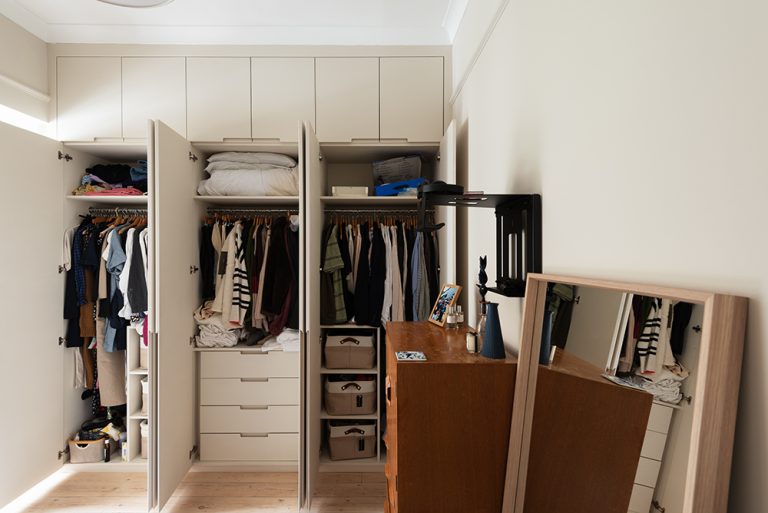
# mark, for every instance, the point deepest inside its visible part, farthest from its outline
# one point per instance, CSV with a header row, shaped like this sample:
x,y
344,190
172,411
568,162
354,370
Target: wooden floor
x,y
215,492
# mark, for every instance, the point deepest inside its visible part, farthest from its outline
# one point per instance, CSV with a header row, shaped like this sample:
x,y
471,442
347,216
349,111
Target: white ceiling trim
x,y
453,16
244,35
28,20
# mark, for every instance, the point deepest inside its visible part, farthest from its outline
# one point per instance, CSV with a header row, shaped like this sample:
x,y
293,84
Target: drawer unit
x,y
640,501
246,364
660,418
653,445
249,391
249,447
647,472
249,419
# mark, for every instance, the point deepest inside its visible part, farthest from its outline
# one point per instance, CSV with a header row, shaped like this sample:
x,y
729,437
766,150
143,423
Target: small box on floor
x,y
351,440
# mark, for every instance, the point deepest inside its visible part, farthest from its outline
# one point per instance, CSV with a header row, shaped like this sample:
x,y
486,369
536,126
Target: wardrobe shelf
x,y
349,371
111,200
116,151
373,201
347,327
327,416
375,150
250,201
238,347
270,146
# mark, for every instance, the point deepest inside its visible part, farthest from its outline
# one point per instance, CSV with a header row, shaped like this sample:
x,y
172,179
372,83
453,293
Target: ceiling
x,y
268,22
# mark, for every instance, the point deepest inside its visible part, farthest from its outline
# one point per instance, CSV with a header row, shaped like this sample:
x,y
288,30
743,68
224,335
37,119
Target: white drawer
x,y
247,364
249,392
653,445
271,447
249,419
647,472
660,418
641,499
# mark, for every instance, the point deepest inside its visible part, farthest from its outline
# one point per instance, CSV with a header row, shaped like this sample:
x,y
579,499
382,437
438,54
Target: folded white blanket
x,y
275,159
223,165
287,341
273,182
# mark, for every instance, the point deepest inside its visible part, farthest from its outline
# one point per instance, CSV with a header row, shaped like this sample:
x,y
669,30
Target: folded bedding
x,y
250,174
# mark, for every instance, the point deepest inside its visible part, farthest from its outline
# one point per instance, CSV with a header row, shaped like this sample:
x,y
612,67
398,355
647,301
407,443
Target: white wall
x,y
23,70
643,125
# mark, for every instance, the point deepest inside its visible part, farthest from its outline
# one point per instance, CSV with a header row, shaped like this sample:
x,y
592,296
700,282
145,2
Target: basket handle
x,y
358,387
357,431
349,339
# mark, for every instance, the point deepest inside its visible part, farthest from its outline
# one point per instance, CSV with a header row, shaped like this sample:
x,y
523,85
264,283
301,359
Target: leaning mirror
x,y
625,399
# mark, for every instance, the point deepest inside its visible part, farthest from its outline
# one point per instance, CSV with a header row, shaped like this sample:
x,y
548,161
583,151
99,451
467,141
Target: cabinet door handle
x,y
254,407
254,380
254,435
388,388
252,353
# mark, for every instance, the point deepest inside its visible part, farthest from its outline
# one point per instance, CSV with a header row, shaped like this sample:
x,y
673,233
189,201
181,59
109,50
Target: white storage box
x,y
350,352
144,395
343,190
350,397
351,440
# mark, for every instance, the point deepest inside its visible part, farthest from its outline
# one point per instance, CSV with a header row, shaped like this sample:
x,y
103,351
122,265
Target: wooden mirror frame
x,y
714,409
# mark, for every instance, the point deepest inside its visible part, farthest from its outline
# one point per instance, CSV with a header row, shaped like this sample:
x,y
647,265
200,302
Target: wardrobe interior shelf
x,y
114,151
327,416
111,200
370,200
139,416
249,200
372,151
349,371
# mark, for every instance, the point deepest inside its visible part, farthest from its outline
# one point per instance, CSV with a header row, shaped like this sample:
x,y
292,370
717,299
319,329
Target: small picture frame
x,y
448,296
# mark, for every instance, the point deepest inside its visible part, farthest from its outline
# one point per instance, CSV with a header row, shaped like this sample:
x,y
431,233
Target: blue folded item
x,y
139,171
395,188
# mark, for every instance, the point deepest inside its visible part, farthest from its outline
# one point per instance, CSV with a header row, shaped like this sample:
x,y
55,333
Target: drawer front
x,y
236,447
641,499
249,419
249,392
647,472
653,445
660,418
244,364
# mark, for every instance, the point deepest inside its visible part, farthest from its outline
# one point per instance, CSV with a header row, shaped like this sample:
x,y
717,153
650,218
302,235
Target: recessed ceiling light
x,y
137,3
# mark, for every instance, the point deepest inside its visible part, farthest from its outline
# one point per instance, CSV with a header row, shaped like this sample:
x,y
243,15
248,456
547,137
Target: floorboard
x,y
214,492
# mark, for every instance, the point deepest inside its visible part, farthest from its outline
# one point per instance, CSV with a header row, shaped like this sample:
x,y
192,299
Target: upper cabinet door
x,y
283,94
153,88
412,103
218,98
347,99
88,98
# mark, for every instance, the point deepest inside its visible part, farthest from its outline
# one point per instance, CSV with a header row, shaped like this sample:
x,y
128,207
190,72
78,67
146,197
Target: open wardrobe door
x,y
446,171
302,496
32,378
176,250
315,180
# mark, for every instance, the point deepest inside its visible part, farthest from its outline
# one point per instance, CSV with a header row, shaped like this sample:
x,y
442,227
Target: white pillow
x,y
224,165
253,158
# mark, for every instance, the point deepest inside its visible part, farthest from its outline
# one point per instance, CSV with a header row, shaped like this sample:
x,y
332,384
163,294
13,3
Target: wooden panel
x,y
218,98
39,356
177,296
246,364
88,98
412,98
237,391
447,422
153,88
271,447
347,96
282,95
315,187
660,418
254,419
585,441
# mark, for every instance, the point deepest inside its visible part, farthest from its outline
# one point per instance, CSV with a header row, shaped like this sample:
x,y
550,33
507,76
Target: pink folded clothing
x,y
117,191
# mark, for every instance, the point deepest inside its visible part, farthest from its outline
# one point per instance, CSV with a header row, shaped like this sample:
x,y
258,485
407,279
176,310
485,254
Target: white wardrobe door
x,y
88,98
176,230
153,88
32,380
283,94
412,98
315,180
218,98
347,92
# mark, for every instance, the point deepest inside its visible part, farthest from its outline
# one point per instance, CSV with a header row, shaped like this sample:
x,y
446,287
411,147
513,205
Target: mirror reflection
x,y
647,348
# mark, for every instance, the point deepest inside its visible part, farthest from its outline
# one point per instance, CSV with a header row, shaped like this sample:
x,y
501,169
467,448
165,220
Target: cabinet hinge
x,y
320,158
61,269
192,341
193,269
192,157
192,452
438,156
62,453
64,156
658,507
62,340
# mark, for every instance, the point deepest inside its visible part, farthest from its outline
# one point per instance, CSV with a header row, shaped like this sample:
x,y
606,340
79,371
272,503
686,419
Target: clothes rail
x,y
245,210
413,211
117,211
